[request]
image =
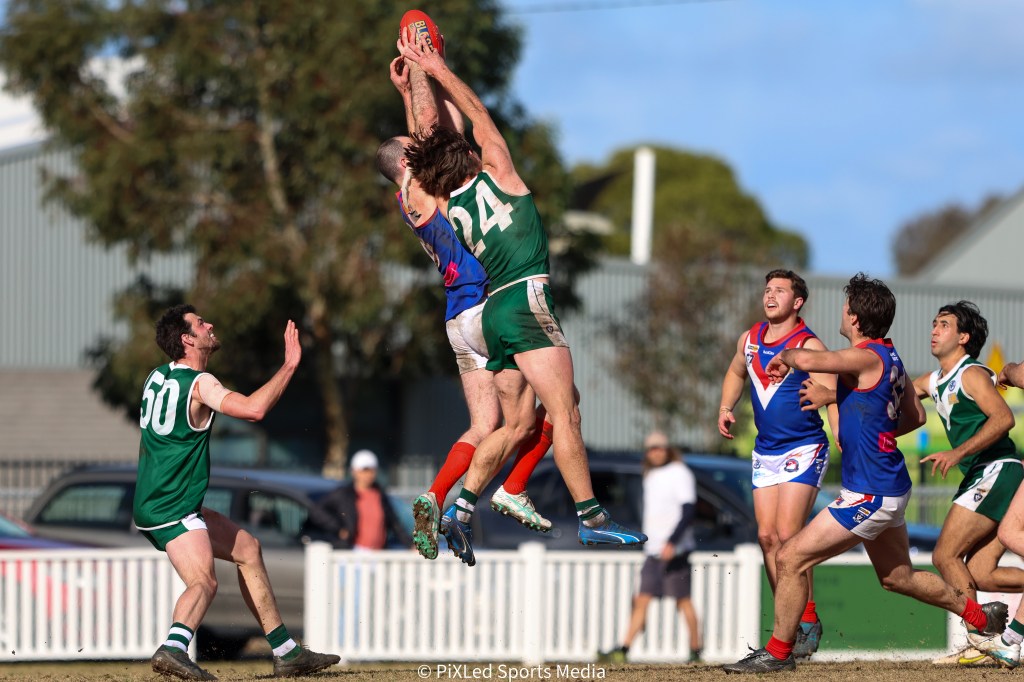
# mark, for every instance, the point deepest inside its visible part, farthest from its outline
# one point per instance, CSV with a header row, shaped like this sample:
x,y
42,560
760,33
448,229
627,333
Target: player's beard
x,y
211,344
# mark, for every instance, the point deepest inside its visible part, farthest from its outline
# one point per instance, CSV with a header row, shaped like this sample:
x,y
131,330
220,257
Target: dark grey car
x,y
725,504
94,505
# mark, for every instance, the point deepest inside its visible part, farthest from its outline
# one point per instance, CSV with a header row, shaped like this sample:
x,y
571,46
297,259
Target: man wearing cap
x,y
357,514
670,502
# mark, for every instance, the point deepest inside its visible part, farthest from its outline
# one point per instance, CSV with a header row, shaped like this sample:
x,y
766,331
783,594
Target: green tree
x,y
712,244
245,137
693,193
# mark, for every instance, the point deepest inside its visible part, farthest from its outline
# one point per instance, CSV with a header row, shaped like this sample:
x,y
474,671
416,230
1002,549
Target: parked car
x,y
725,505
724,514
94,504
15,534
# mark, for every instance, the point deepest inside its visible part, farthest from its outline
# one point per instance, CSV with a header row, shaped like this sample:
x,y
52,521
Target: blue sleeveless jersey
x,y
872,464
465,281
781,425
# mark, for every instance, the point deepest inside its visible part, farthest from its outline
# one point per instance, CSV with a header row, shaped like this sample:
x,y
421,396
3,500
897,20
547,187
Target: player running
x,y
977,422
874,409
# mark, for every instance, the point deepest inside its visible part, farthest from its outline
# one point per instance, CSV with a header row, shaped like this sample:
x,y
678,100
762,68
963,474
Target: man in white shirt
x,y
670,501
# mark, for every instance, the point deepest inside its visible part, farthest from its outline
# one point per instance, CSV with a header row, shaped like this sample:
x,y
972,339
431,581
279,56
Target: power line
x,y
592,5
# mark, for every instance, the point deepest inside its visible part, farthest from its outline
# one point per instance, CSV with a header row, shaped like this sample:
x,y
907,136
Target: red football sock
x,y
779,649
530,454
810,615
974,616
455,467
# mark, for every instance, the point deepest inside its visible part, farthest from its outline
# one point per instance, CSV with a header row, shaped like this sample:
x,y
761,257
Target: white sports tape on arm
x,y
211,391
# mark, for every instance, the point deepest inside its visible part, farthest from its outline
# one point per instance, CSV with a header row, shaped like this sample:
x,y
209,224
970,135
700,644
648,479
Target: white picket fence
x,y
528,605
84,604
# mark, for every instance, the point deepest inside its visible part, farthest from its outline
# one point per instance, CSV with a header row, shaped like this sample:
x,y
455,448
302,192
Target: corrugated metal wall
x,y
612,416
57,288
916,305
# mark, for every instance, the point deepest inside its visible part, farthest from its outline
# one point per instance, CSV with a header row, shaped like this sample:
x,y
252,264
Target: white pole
x,y
319,610
643,205
534,599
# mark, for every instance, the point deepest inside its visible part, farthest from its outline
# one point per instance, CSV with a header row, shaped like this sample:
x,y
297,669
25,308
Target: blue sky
x,y
844,118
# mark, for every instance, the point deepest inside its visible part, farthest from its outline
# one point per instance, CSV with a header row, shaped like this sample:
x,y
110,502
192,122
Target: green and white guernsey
x,y
174,455
504,231
962,418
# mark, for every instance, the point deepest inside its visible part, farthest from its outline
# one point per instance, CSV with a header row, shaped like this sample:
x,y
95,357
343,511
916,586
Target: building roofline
x,y
21,150
976,229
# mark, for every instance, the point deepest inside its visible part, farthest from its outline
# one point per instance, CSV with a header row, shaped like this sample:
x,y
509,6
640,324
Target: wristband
x,y
724,409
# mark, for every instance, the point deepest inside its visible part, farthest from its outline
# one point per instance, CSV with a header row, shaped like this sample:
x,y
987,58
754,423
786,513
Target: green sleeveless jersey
x,y
961,416
504,231
174,455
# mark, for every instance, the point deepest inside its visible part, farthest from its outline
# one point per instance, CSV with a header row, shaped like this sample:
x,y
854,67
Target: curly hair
x,y
169,328
441,161
873,304
968,321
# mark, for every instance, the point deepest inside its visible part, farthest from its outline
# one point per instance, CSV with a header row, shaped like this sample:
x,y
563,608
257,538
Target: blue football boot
x,y
610,533
459,536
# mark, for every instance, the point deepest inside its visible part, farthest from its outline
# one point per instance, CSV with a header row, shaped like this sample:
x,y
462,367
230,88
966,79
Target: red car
x,y
15,534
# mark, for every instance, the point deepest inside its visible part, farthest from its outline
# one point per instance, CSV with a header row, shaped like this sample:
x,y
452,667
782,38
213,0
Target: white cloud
x,y
19,123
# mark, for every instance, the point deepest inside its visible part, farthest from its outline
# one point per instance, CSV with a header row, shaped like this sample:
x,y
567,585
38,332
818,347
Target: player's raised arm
x,y
254,407
495,154
399,73
423,108
449,115
424,104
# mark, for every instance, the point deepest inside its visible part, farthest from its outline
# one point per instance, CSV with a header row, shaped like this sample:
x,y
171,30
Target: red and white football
x,y
421,24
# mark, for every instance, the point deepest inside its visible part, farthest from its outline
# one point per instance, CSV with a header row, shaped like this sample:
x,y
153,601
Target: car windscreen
x,y
103,505
9,529
733,478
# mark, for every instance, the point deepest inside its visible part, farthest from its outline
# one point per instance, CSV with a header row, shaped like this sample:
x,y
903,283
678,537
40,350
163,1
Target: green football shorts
x,y
519,318
159,536
988,489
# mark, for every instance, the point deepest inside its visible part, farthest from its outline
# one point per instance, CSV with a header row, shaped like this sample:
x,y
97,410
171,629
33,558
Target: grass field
x,y
880,671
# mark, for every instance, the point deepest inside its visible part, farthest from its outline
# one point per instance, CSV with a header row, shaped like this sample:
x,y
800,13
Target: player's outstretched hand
x,y
814,396
399,73
418,50
292,347
776,370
